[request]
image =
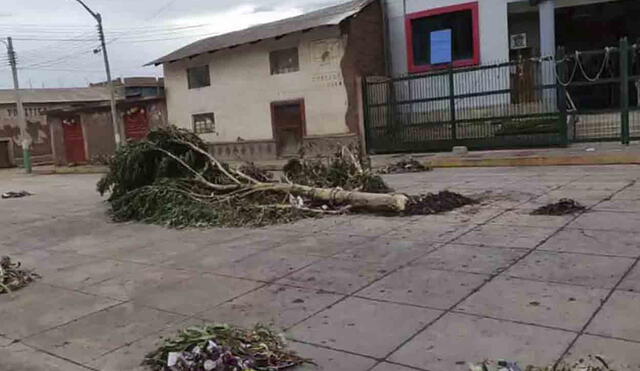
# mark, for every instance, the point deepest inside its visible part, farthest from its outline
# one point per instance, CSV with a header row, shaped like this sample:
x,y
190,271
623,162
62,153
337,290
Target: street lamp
x,y
114,111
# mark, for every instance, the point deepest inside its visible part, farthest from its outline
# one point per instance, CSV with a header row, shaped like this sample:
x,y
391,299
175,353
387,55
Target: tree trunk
x,y
358,200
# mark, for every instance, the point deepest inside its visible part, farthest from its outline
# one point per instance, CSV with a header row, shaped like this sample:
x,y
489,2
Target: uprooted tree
x,y
170,178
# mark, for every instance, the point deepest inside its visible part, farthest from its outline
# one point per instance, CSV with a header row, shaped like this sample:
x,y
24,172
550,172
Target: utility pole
x,y
114,111
22,122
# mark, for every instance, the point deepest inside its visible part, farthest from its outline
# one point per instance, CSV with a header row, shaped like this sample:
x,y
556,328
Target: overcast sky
x,y
55,39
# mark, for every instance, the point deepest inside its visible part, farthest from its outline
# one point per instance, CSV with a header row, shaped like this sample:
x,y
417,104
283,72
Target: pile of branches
x,y
223,348
170,178
405,166
13,278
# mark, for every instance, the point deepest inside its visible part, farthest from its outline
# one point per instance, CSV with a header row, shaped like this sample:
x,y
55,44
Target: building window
x,y
204,123
199,77
284,61
441,37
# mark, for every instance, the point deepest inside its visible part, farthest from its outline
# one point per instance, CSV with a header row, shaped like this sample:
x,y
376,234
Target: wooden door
x,y
288,126
523,77
74,140
5,159
136,124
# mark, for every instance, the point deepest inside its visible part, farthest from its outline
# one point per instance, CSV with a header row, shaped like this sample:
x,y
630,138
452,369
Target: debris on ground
x,y
565,206
19,194
405,166
171,179
13,278
437,203
224,348
589,363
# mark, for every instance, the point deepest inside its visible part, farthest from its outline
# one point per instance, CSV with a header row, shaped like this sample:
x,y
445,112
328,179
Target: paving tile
x,y
47,263
468,258
455,340
620,206
523,217
320,244
384,366
547,304
19,357
356,325
388,251
152,253
471,214
368,226
506,236
429,232
577,269
82,275
608,221
209,259
92,336
40,307
276,305
618,317
619,354
260,239
330,360
594,242
337,275
266,266
632,281
420,286
597,185
631,193
196,294
133,284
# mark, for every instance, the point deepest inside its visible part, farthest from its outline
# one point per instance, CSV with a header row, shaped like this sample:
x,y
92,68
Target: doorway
x,y
288,121
74,140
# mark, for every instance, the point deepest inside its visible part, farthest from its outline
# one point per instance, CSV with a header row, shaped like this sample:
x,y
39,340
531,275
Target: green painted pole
x,y
624,89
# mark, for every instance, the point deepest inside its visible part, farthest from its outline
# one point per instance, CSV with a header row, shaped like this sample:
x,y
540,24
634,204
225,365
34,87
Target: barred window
x,y
284,61
204,123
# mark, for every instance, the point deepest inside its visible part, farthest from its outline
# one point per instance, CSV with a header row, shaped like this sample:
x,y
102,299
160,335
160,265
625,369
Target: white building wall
x,y
242,88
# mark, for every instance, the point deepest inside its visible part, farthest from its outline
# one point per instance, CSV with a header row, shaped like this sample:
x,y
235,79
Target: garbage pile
x,y
589,363
565,206
224,348
13,278
405,166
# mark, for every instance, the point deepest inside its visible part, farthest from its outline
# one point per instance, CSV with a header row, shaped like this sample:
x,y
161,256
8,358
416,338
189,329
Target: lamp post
x,y
114,111
22,122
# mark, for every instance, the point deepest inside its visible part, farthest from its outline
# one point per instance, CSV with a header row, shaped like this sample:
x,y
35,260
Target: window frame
x,y
193,122
208,83
473,7
271,64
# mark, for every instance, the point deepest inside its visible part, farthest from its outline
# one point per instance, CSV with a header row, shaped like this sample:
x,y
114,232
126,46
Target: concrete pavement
x,y
352,292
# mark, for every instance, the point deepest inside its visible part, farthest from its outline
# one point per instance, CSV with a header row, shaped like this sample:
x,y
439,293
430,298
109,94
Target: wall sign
x,y
441,46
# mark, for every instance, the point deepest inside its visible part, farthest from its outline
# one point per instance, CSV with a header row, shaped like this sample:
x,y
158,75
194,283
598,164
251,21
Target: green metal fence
x,y
521,103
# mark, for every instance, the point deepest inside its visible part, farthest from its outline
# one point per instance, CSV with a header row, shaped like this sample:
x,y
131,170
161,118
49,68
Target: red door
x,y
288,126
136,124
74,140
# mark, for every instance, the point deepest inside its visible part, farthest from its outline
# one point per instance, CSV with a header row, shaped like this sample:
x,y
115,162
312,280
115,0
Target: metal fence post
x,y
624,89
562,96
364,119
452,104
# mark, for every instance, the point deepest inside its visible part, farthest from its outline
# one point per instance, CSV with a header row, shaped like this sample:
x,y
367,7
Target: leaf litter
x,y
223,347
12,277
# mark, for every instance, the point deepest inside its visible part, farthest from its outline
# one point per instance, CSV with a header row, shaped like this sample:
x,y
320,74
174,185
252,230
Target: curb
x,y
600,159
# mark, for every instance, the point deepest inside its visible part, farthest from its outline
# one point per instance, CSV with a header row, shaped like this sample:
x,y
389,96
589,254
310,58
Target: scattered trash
x,y
224,348
437,203
565,206
590,363
405,166
590,149
16,194
13,278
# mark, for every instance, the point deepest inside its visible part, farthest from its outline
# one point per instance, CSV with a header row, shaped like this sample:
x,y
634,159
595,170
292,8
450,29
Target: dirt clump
x,y
565,206
434,203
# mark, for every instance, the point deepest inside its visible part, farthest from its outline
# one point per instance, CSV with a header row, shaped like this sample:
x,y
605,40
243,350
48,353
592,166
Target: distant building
x,y
272,89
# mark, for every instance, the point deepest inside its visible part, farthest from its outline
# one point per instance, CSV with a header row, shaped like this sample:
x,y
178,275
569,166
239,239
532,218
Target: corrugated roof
x,y
324,17
62,95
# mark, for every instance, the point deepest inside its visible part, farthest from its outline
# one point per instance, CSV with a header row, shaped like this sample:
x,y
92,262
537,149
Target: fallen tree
x,y
170,178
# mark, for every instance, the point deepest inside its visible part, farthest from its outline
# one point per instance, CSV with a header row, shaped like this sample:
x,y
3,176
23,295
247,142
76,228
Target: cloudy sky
x,y
55,39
